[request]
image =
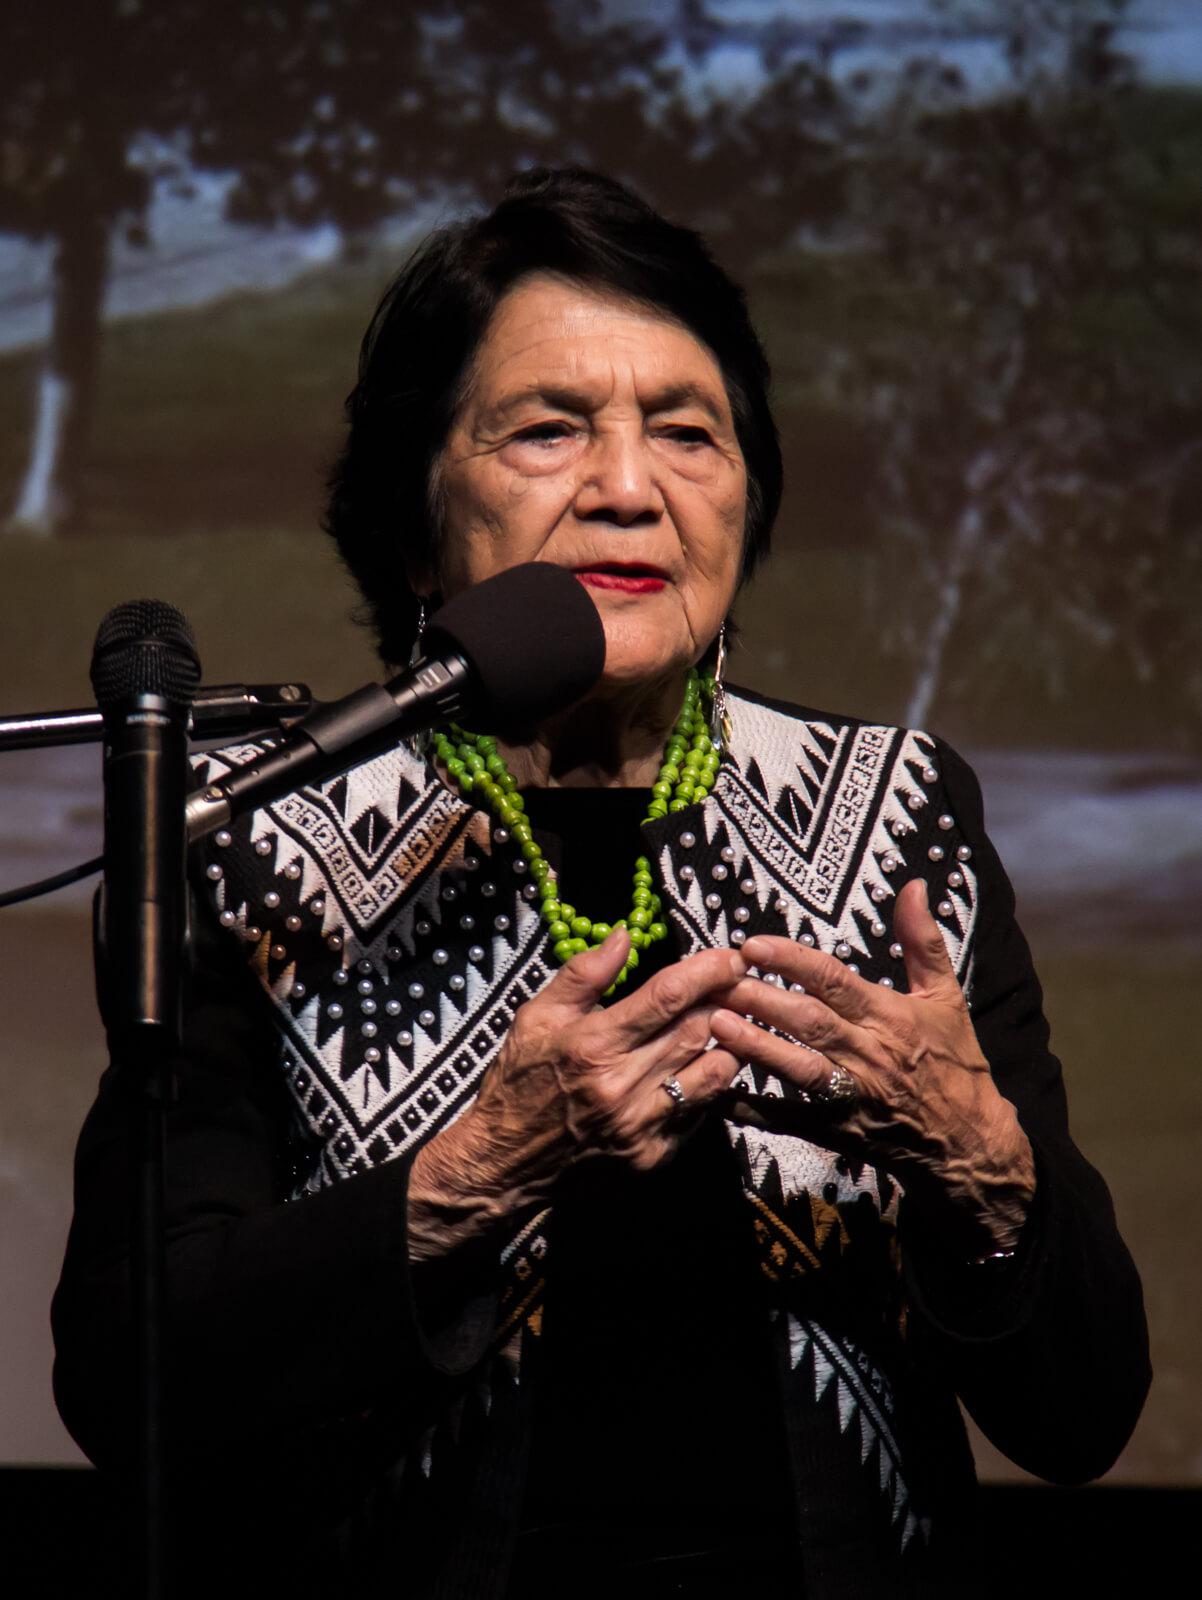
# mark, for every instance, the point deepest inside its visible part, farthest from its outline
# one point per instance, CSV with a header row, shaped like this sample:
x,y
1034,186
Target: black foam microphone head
x,y
144,647
533,637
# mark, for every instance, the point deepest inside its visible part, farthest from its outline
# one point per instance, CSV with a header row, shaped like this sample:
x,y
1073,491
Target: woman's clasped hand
x,y
923,1101
574,1079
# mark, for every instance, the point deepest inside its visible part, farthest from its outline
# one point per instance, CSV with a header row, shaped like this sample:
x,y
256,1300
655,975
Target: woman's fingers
x,y
929,969
582,981
656,1004
928,966
671,1117
702,1080
803,1018
662,1119
819,974
748,1042
672,1048
667,996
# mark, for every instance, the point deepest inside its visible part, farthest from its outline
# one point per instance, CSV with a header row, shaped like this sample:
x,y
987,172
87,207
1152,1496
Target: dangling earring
x,y
719,713
416,653
422,741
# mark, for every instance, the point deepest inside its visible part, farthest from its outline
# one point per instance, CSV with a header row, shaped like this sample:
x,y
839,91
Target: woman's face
x,y
597,435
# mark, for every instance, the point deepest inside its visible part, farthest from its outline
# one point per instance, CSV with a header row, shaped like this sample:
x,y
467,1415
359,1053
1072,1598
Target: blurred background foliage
x,y
982,307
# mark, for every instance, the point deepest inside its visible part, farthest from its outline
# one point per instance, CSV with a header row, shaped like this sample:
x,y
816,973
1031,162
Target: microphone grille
x,y
144,647
534,638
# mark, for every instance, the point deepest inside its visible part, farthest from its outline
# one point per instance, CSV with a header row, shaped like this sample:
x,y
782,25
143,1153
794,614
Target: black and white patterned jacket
x,y
394,933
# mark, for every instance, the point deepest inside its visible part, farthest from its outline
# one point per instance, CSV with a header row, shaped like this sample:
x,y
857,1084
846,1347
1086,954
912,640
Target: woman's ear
x,y
421,579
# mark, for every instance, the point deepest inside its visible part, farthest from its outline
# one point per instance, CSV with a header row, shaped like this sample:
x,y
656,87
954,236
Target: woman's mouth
x,y
632,577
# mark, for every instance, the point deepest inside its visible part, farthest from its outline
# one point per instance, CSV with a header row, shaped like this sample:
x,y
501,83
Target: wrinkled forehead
x,y
557,336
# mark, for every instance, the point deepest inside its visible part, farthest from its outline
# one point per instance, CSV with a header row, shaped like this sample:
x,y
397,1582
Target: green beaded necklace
x,y
686,775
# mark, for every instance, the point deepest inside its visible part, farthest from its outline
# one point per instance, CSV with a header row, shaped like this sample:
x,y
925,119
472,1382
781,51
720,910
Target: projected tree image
x,y
1032,384
1015,296
337,113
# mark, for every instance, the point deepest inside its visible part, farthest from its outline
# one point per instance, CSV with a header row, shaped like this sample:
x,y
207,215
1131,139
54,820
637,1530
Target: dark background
x,y
971,234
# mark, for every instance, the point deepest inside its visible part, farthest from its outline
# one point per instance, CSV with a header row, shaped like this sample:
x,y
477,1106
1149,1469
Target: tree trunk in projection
x,y
51,496
957,569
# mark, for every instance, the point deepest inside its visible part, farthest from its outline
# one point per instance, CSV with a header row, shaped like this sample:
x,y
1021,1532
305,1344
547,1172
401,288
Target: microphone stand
x,y
140,931
143,989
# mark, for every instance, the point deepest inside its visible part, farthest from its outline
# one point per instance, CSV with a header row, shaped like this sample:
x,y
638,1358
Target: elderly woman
x,y
605,1151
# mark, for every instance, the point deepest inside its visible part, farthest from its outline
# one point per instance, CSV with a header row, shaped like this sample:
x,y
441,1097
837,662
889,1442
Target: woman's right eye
x,y
540,432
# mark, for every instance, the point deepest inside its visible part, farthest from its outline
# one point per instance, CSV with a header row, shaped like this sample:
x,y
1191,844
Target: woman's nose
x,y
620,483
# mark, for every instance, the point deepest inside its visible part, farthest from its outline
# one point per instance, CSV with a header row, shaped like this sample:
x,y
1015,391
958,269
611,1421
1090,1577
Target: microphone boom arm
x,y
334,736
224,711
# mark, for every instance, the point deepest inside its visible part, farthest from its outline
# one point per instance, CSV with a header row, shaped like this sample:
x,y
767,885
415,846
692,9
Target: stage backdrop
x,y
971,240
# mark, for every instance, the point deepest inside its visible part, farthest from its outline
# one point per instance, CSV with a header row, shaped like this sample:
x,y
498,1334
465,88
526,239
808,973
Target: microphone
x,y
512,650
144,674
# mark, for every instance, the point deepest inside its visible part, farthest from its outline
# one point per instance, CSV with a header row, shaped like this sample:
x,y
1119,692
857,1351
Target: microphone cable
x,y
57,880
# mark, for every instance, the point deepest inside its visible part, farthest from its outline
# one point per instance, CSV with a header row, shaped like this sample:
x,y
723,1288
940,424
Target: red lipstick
x,y
631,577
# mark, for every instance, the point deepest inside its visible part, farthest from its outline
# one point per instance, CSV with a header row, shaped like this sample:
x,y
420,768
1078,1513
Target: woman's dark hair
x,y
418,350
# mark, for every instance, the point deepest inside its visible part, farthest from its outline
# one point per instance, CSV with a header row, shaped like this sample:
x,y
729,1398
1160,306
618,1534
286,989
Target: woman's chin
x,y
645,654
626,671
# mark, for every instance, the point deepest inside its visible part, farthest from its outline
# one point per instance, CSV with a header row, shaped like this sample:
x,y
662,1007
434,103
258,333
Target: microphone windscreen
x,y
533,636
144,647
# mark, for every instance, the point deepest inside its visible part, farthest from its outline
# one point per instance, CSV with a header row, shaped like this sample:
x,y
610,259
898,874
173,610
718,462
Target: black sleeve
x,y
1052,1360
283,1316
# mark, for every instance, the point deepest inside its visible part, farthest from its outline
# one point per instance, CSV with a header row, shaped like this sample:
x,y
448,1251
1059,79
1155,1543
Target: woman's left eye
x,y
685,434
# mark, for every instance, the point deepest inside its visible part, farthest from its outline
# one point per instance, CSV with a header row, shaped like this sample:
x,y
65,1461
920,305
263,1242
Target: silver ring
x,y
672,1088
840,1088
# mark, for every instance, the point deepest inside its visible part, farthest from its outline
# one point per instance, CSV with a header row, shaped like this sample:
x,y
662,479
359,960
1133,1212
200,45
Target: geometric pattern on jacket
x,y
396,932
